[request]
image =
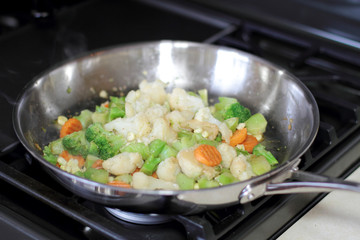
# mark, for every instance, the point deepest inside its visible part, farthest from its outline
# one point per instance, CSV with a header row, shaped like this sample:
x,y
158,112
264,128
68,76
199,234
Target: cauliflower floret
x,y
71,166
135,102
240,168
228,153
188,164
129,110
122,163
138,124
154,91
180,100
142,181
156,111
204,115
168,169
132,96
162,130
209,172
176,118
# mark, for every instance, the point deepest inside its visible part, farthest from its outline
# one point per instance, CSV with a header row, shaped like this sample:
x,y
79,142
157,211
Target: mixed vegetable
x,y
151,139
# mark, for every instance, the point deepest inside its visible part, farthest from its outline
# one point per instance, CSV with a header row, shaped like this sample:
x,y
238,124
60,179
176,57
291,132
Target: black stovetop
x,y
334,20
34,206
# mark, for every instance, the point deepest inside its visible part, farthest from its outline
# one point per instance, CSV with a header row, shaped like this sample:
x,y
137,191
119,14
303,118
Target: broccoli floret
x,y
224,102
93,131
48,156
76,143
237,110
230,108
93,149
108,143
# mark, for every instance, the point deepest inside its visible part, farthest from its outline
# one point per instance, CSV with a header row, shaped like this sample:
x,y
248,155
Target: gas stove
x,y
324,54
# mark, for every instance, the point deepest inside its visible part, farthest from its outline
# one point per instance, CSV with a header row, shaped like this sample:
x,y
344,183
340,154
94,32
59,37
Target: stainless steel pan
x,y
287,104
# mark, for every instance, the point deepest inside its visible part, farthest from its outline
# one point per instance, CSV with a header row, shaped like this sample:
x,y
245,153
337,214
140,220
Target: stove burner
x,y
139,218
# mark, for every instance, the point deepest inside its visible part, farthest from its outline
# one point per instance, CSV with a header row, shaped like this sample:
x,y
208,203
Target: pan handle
x,y
310,183
303,182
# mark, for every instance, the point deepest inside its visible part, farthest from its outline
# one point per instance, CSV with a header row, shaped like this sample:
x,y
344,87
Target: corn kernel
x,y
205,134
130,136
241,147
103,94
61,120
92,90
258,137
198,130
240,126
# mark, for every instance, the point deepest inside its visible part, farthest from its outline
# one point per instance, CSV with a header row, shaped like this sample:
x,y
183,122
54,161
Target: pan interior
x,y
67,89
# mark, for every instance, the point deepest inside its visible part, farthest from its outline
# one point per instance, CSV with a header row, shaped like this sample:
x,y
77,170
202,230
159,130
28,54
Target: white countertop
x,y
337,216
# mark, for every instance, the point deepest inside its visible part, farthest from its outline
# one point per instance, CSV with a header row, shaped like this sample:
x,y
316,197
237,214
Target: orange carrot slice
x,y
67,156
70,126
208,155
238,137
97,164
119,184
249,143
